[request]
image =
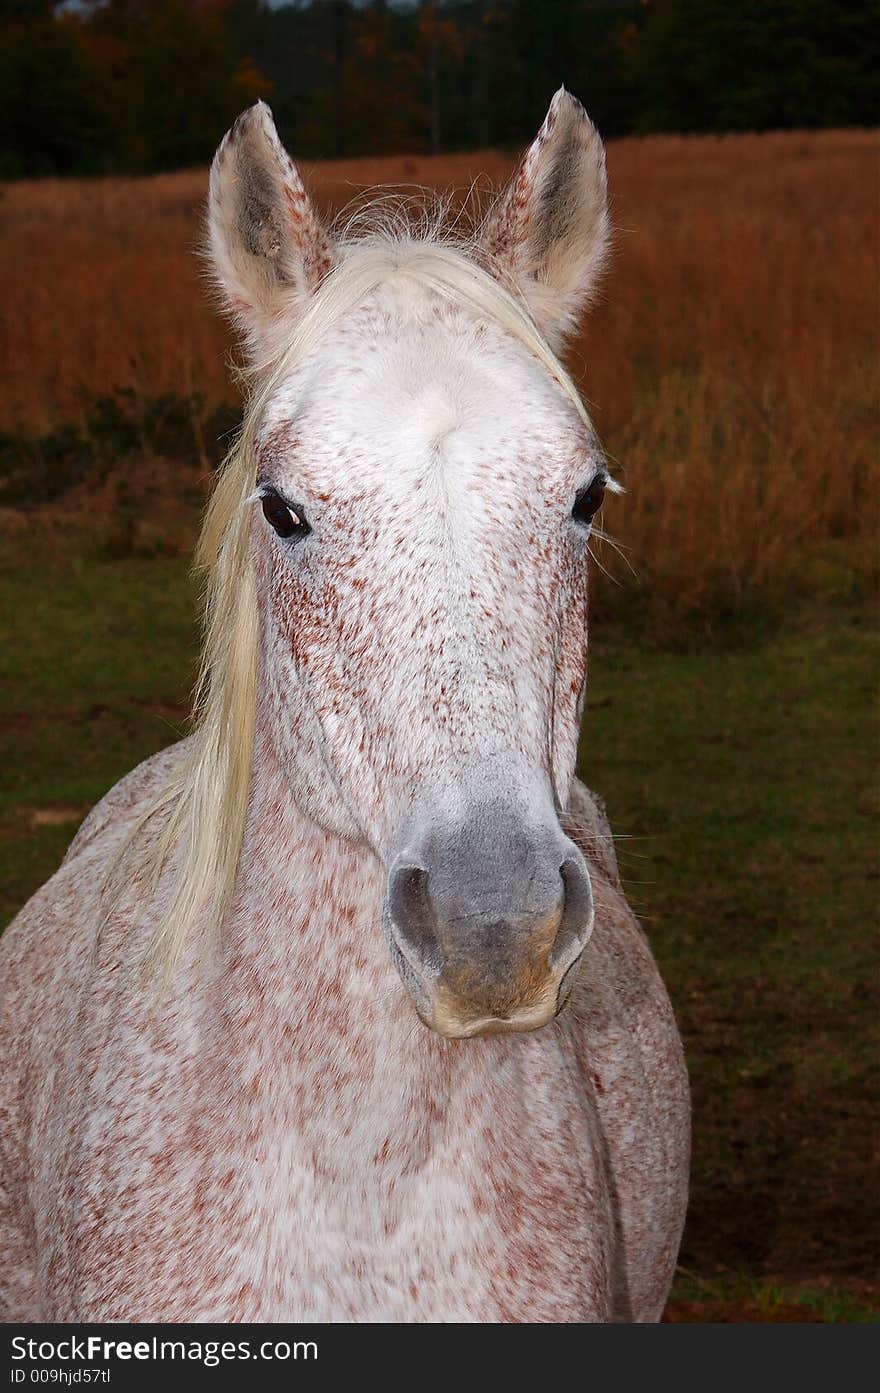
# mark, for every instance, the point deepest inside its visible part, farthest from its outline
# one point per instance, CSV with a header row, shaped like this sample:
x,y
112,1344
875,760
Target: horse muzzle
x,y
487,920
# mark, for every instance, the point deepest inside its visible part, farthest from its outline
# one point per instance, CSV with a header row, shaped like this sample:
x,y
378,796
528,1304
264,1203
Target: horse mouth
x,y
456,1025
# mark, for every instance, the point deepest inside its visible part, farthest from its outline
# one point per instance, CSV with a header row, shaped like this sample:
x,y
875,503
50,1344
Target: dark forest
x,y
130,86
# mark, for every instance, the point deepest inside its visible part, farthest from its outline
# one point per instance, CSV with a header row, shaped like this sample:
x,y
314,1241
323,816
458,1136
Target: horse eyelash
x,y
604,474
263,490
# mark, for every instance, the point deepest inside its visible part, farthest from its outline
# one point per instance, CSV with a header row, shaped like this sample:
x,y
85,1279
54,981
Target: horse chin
x,y
453,1025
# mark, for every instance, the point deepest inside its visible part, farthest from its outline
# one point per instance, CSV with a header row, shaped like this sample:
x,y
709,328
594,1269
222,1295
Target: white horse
x,y
335,1010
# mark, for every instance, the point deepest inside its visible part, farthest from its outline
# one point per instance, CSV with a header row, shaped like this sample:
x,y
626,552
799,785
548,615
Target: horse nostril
x,y
489,934
577,913
412,916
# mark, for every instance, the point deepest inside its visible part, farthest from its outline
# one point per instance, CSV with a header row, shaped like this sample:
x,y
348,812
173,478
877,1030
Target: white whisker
x,y
603,569
603,536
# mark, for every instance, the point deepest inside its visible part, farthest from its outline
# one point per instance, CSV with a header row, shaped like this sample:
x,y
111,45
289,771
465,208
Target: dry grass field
x,y
732,365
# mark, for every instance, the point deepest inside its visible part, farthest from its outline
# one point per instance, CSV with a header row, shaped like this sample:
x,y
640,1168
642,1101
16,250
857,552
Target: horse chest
x,y
380,1183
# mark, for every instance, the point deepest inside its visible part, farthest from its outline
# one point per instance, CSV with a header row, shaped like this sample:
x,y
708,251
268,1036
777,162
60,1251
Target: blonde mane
x,y
205,801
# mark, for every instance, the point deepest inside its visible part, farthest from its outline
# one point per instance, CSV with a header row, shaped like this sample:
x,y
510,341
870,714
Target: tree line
x,y
104,86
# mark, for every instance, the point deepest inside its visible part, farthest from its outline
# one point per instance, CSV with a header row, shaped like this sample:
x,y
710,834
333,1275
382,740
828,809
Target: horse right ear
x,y
266,244
548,233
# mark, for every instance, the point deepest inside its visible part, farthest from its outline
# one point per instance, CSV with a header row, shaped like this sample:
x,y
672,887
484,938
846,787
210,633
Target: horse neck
x,y
307,899
308,983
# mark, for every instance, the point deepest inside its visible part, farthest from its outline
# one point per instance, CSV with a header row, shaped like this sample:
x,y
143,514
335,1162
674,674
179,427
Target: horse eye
x,y
589,501
286,521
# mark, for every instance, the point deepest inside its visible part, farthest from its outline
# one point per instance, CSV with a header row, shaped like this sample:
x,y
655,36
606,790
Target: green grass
x,y
95,666
741,782
748,1300
740,779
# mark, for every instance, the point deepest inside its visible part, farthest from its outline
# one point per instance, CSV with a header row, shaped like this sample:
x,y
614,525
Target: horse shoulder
x,y
45,961
53,933
127,798
630,1056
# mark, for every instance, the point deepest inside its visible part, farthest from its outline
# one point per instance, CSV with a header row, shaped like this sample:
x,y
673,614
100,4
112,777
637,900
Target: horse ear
x,y
267,246
548,232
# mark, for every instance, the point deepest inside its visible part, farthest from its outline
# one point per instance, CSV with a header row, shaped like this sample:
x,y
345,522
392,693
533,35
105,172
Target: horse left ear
x,y
549,232
267,246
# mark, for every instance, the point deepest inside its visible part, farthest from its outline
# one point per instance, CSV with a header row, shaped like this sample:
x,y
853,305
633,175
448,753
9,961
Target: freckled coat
x,y
278,1138
274,1135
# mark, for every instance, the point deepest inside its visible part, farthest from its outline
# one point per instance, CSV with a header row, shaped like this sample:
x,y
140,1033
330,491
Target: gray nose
x,y
488,918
